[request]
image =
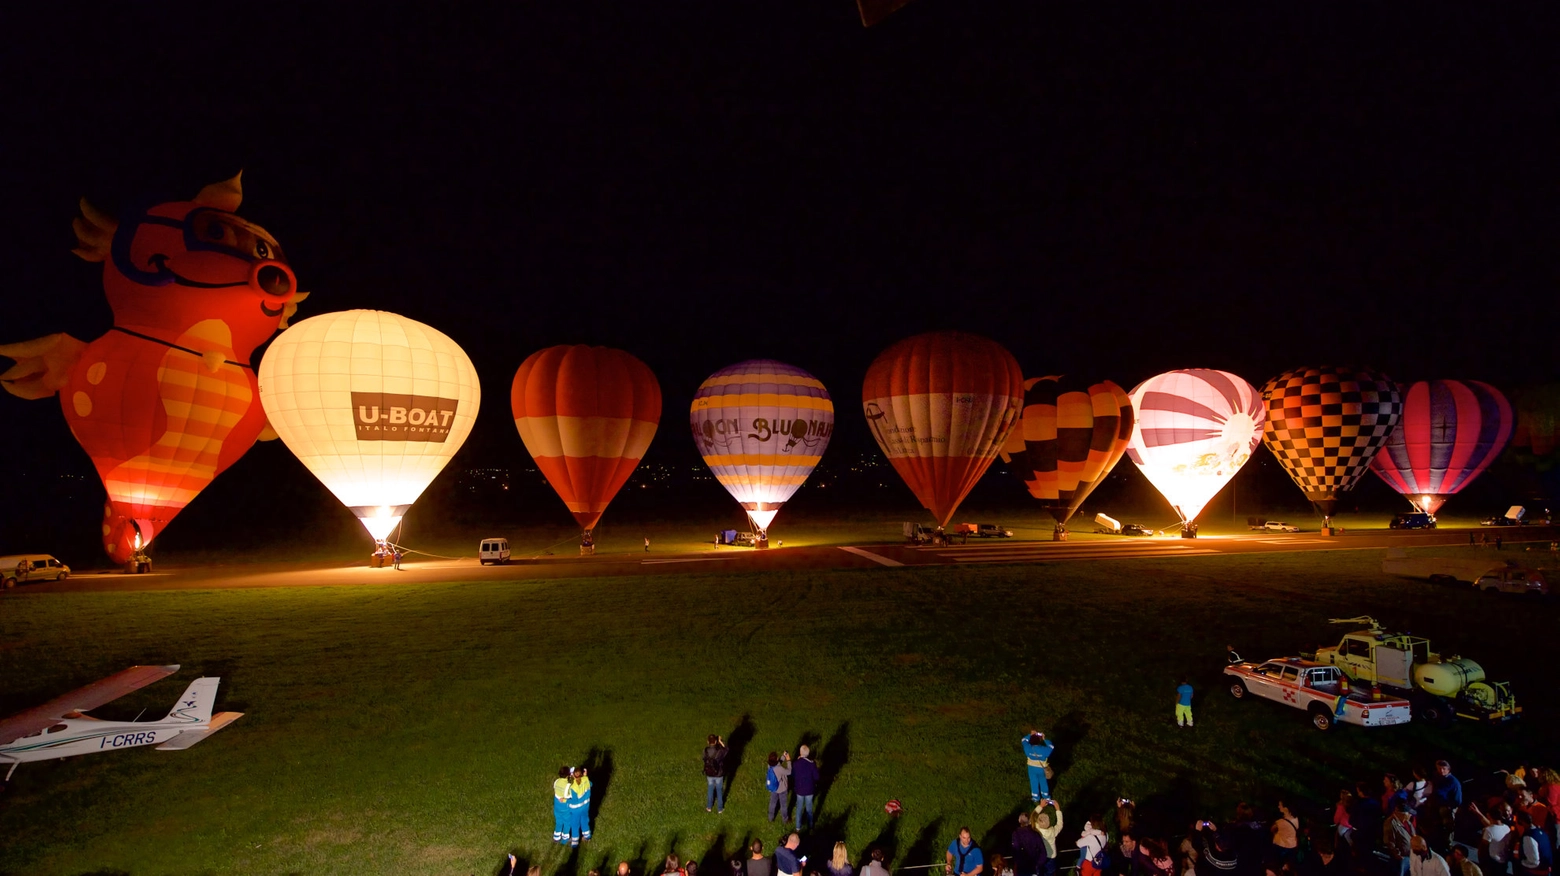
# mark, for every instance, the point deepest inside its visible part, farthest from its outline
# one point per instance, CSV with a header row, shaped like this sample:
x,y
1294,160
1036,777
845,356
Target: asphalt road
x,y
743,560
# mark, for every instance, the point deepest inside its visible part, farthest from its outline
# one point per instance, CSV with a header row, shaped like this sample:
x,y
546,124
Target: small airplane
x,y
59,728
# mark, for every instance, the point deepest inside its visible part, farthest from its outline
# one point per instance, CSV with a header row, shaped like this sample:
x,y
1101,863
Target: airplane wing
x,y
90,697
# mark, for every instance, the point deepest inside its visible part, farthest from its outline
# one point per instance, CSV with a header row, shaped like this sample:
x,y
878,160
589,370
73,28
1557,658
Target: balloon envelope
x,y
940,405
586,415
1324,425
373,404
1450,432
1071,434
1194,430
761,427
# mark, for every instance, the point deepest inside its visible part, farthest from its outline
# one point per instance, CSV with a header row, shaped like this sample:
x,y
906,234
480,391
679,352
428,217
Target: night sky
x,y
1108,190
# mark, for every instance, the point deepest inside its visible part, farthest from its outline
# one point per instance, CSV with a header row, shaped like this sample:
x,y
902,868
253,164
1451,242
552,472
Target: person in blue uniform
x,y
579,806
1037,754
561,806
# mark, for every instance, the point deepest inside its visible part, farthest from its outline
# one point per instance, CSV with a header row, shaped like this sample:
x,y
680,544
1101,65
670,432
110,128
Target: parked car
x,y
1513,579
1412,520
1279,526
1135,529
993,530
24,568
493,550
1500,521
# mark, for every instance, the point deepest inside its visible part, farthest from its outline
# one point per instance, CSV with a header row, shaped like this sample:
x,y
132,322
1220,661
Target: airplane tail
x,y
196,704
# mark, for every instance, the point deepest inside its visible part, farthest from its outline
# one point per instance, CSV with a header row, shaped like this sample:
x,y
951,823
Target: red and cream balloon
x,y
940,405
586,415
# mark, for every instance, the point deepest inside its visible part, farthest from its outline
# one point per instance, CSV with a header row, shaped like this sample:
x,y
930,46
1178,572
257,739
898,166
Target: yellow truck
x,y
1440,688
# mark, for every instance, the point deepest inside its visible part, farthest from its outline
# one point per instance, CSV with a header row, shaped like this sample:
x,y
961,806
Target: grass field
x,y
417,729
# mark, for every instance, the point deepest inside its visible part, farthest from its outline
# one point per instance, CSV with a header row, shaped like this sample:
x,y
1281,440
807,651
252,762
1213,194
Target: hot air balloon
x,y
940,405
1194,430
1324,424
586,415
1451,430
165,401
1071,434
761,427
373,404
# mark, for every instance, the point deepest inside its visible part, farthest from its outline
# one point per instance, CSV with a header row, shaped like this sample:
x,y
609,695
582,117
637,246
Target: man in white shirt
x,y
1423,862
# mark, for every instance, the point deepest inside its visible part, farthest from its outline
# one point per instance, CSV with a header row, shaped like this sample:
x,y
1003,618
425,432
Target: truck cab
x,y
1439,687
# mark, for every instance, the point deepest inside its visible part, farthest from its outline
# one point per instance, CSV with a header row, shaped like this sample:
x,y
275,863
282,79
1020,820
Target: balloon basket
x,y
1188,532
376,561
1058,534
761,542
1327,531
587,550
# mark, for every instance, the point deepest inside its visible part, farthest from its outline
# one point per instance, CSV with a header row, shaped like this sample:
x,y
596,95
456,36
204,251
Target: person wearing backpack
x,y
777,779
964,857
715,774
1093,859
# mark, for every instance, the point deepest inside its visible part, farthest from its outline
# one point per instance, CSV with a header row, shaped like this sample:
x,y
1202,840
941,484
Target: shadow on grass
x,y
1068,732
522,864
828,829
998,839
713,863
599,764
926,846
736,744
832,759
1167,813
887,840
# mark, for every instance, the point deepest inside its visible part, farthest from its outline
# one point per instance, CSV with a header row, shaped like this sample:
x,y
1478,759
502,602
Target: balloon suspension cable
x,y
400,531
542,551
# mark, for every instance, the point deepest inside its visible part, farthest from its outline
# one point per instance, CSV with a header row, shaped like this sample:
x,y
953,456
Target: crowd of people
x,y
1427,825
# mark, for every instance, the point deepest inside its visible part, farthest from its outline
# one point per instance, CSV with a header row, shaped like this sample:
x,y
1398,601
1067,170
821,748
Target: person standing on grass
x,y
757,863
875,866
715,773
579,806
561,805
839,863
964,858
1048,823
647,544
777,779
786,861
1183,704
1029,857
804,780
1037,756
1231,656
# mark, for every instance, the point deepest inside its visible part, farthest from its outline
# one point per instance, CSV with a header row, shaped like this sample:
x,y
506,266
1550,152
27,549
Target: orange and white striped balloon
x,y
587,416
940,405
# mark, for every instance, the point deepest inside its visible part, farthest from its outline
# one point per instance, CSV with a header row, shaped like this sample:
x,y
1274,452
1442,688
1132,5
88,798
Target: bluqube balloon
x,y
373,404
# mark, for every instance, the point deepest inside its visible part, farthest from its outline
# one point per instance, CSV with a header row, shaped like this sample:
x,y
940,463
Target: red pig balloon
x,y
167,399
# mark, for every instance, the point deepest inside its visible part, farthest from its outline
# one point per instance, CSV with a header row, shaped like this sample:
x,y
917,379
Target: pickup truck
x,y
1318,689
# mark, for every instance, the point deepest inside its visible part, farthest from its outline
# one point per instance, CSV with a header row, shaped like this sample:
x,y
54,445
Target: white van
x,y
23,568
493,550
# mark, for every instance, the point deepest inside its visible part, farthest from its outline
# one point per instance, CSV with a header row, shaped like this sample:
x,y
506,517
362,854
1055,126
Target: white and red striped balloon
x,y
1194,430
